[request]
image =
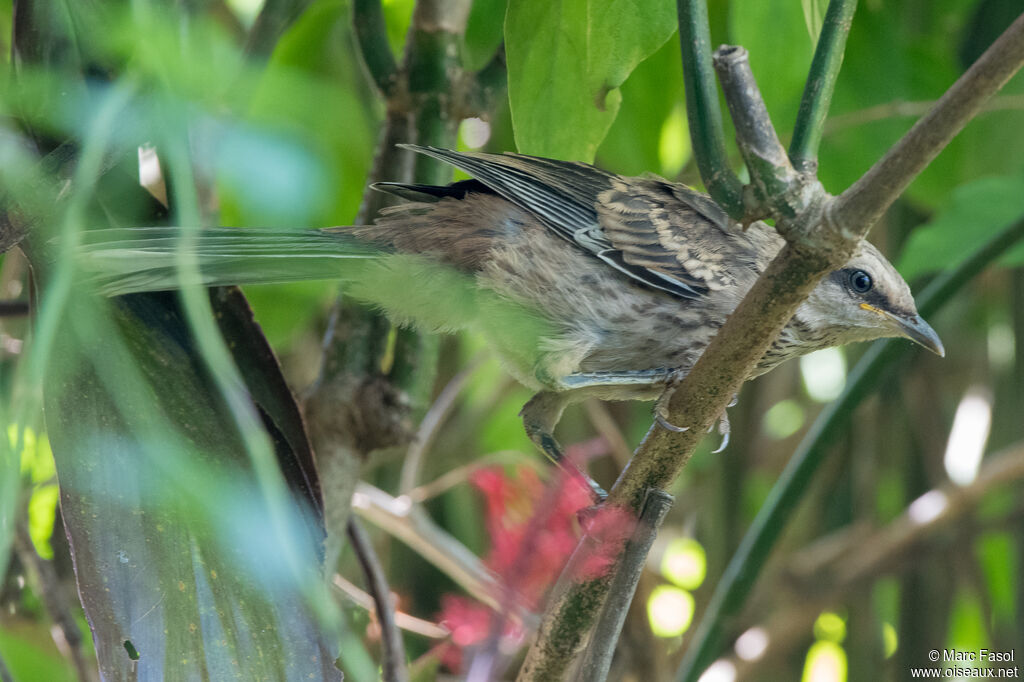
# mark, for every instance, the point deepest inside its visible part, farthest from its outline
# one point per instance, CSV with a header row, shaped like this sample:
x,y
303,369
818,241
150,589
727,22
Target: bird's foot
x,y
661,406
723,426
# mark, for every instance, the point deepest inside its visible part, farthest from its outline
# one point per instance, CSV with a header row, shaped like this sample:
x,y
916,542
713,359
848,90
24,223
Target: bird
x,y
628,278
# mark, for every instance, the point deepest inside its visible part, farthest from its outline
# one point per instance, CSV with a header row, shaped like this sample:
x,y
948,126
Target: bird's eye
x,y
860,282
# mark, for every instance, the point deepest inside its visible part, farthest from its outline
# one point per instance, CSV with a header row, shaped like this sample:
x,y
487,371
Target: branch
x,y
598,659
372,38
864,555
487,86
863,204
741,573
409,524
394,669
412,464
821,83
776,190
702,110
903,109
54,598
814,247
403,620
13,308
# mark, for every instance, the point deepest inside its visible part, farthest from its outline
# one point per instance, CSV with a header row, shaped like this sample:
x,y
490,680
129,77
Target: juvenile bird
x,y
632,276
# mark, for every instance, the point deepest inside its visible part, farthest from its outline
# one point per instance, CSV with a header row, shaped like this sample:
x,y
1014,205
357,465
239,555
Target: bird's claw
x,y
669,426
723,429
661,407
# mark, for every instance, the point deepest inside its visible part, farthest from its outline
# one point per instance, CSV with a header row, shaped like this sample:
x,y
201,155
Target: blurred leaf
x,y
398,17
566,62
825,661
286,311
649,97
1000,563
973,214
42,512
814,17
34,658
967,629
990,18
876,74
483,32
200,578
313,91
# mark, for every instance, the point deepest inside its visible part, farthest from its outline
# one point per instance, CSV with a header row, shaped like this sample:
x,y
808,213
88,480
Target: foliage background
x,y
292,145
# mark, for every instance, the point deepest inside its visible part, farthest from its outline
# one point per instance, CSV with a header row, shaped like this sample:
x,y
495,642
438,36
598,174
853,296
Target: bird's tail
x,y
411,288
132,260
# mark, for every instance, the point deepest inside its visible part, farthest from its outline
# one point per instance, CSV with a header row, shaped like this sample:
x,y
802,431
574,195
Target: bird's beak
x,y
913,328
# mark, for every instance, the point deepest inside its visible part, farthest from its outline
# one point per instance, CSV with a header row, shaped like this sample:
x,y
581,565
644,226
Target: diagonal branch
x,y
815,246
377,585
741,573
866,200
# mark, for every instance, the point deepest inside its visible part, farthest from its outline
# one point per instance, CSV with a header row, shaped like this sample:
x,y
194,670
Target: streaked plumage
x,y
631,276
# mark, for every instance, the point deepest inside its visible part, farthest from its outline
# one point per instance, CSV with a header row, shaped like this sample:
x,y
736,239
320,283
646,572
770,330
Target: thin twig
x,y
411,525
13,308
405,621
779,191
412,465
394,668
860,206
67,634
601,419
461,474
598,658
900,109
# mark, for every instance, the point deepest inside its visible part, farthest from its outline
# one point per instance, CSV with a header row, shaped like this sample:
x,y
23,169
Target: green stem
x,y
271,23
742,572
702,109
372,35
821,83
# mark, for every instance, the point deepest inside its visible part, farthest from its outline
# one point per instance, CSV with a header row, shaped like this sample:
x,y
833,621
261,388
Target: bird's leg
x,y
661,406
540,414
723,425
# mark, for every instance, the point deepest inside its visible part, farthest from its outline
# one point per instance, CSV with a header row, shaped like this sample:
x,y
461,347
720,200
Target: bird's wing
x,y
649,230
671,232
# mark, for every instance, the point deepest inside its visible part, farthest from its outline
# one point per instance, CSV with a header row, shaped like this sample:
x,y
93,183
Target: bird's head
x,y
867,299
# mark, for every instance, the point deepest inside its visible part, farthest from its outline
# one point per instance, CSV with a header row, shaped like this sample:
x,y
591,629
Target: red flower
x,y
533,530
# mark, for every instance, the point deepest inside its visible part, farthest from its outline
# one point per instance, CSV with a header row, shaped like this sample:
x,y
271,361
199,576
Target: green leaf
x,y
649,98
185,567
483,32
566,61
872,93
974,214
